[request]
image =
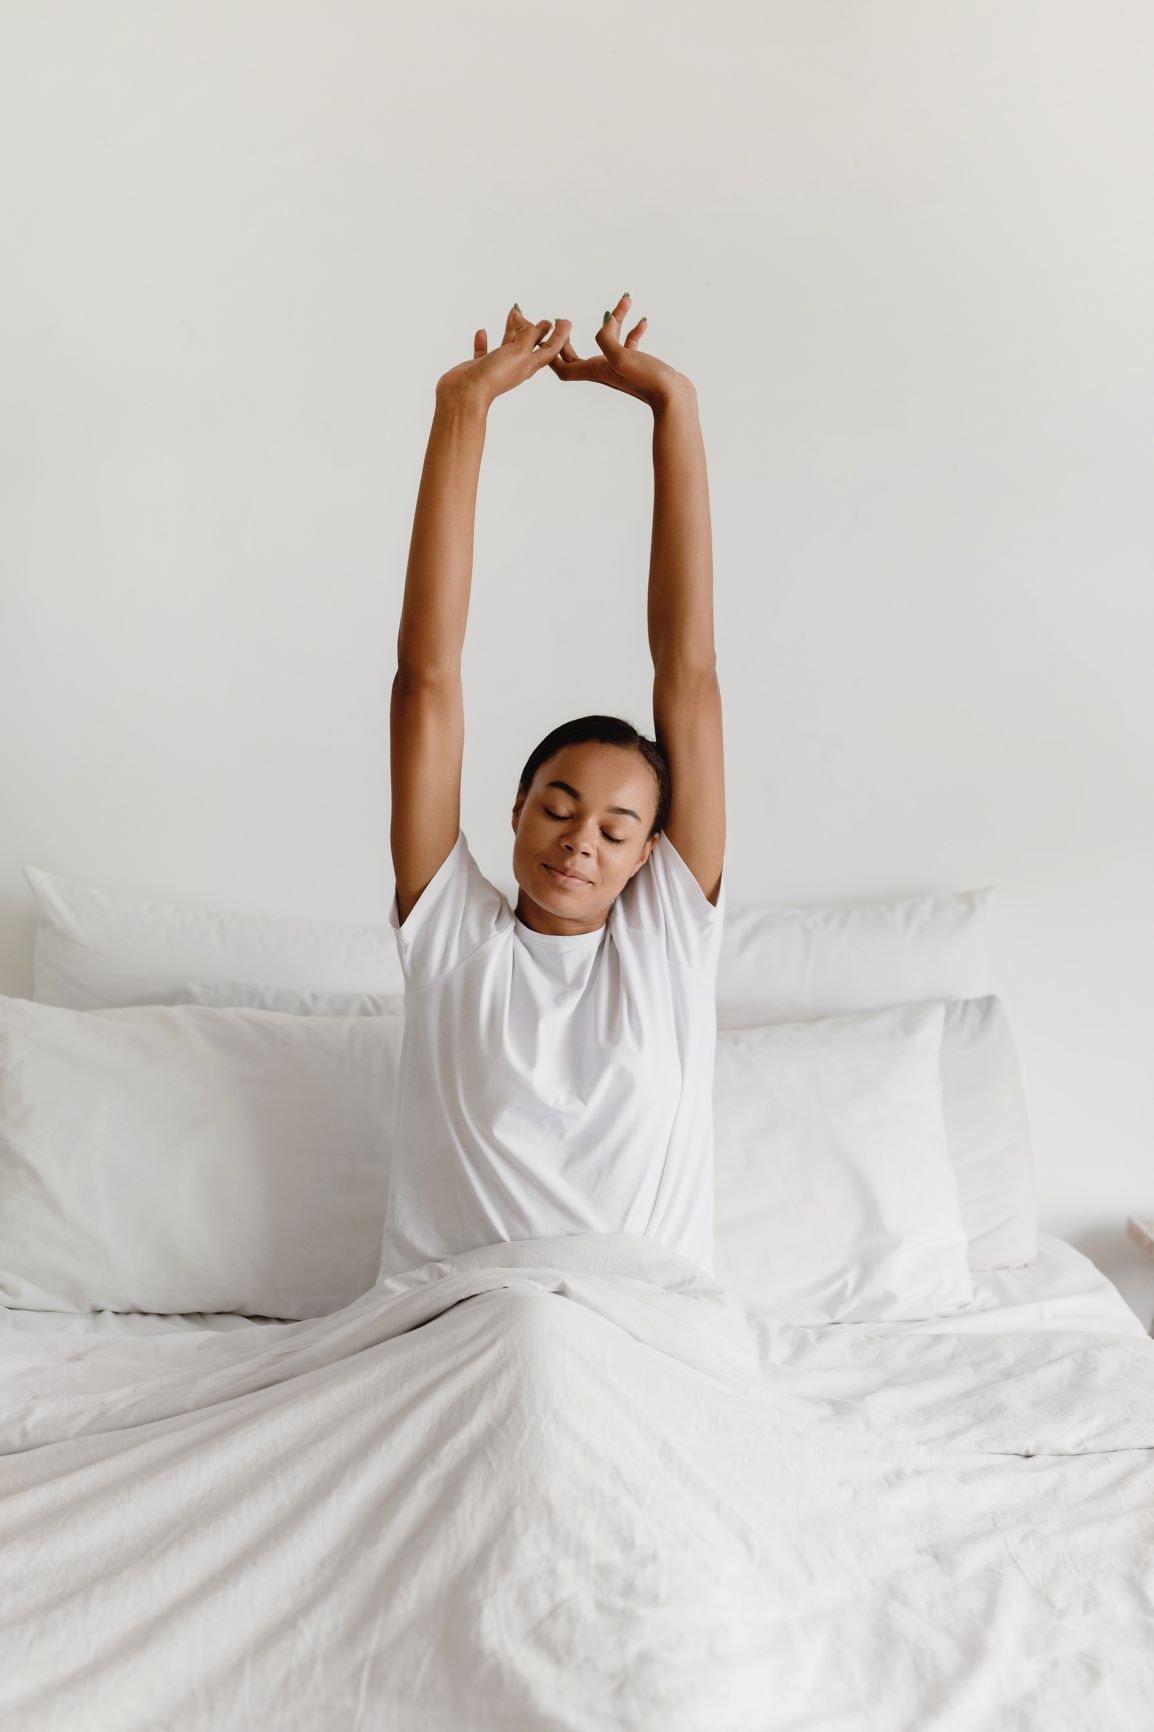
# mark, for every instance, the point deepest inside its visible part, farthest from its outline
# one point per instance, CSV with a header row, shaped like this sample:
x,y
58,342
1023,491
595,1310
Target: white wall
x,y
905,252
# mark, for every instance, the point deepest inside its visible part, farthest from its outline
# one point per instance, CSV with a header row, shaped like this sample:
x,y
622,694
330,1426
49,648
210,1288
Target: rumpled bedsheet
x,y
568,1483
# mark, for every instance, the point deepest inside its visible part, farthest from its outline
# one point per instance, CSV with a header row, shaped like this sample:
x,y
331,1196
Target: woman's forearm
x,y
681,554
440,569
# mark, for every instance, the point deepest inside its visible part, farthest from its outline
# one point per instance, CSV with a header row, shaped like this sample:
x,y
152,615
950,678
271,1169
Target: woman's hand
x,y
622,364
524,350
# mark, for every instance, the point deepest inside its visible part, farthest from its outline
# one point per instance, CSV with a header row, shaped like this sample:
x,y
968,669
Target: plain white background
x,y
905,253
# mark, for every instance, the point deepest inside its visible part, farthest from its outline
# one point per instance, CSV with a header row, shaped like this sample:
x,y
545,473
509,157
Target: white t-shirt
x,y
555,1084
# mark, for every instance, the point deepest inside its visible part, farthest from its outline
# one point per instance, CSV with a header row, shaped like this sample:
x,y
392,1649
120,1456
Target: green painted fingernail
x,y
605,320
517,305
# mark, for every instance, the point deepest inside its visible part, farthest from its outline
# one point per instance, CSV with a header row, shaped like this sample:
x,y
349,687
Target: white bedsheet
x,y
566,1483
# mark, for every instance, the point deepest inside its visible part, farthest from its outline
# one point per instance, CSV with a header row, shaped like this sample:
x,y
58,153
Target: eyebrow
x,y
574,795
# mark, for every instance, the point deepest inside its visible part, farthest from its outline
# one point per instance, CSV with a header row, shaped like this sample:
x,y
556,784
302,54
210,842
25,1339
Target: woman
x,y
557,1064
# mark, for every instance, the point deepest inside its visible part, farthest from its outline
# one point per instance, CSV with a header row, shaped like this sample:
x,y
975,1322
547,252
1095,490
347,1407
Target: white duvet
x,y
567,1483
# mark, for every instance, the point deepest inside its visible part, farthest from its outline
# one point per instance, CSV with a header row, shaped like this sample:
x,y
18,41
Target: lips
x,y
563,877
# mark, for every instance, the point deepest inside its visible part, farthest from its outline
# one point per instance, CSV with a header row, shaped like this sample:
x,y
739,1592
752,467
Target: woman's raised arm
x,y
687,718
426,715
440,569
437,582
686,694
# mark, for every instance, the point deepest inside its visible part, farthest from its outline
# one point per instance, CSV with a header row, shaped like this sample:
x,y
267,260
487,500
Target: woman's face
x,y
590,811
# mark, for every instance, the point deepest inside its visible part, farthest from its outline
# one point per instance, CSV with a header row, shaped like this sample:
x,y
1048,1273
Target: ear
x,y
517,805
645,856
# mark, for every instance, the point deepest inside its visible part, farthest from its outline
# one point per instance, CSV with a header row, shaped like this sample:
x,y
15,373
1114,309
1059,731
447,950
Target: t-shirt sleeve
x,y
456,912
666,894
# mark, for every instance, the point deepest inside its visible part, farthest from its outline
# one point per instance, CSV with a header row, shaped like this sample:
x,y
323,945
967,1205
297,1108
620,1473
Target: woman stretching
x,y
557,1062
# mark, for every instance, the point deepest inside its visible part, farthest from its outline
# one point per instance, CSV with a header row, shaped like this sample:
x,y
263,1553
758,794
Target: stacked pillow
x,y
94,950
871,1140
798,965
835,1198
183,1158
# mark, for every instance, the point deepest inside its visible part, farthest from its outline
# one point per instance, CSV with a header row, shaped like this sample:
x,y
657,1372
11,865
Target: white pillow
x,y
987,1126
95,950
184,1158
244,994
790,962
835,1199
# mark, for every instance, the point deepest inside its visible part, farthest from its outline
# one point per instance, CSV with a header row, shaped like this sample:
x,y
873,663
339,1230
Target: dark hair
x,y
609,731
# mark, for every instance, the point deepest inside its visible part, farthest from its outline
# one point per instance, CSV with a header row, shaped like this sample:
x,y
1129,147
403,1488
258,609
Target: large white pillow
x,y
835,1198
96,950
790,962
184,1158
987,1125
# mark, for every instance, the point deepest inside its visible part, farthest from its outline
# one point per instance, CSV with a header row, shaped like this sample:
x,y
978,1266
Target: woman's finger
x,y
609,335
561,364
480,344
566,357
567,363
551,347
570,370
634,337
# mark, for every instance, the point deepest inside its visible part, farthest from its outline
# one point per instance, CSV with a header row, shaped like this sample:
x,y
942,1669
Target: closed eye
x,y
561,816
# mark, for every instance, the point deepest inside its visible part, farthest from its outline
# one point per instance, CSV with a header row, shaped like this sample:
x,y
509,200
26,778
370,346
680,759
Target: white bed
x,y
567,1483
559,1485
